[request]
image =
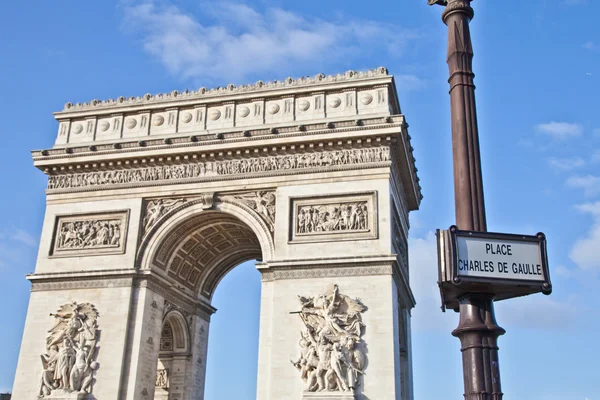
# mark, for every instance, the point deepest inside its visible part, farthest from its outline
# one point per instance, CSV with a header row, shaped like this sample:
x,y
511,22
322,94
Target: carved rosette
x,y
332,356
69,362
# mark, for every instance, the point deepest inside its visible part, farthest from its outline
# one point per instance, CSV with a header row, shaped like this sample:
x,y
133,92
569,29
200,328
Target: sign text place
x,y
503,259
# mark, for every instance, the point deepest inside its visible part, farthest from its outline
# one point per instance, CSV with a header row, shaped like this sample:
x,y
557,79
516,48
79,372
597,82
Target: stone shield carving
x,y
332,356
70,359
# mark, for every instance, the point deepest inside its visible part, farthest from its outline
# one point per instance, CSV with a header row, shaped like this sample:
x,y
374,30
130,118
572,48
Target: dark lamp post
x,y
477,329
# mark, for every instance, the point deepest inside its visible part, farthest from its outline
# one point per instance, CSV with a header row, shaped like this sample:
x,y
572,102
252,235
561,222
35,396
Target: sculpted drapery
x,y
69,362
332,356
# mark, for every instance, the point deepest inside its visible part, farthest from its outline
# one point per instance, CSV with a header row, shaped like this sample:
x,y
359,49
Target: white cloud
x,y
407,83
563,271
560,130
241,42
589,183
24,237
584,252
566,164
589,45
16,248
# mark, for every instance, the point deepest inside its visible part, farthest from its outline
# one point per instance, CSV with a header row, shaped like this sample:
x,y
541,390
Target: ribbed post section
x,y
477,330
468,186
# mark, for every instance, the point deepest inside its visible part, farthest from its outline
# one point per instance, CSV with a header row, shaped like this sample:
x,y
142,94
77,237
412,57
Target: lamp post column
x,y
477,329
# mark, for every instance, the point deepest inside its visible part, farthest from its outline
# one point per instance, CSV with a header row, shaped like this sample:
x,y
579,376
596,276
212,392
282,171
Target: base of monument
x,y
61,394
328,396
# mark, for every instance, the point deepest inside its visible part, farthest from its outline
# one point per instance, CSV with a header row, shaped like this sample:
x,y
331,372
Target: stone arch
x,y
174,360
195,246
180,332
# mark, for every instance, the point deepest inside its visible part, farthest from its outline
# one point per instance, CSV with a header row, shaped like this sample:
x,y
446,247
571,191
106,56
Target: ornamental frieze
x,y
213,169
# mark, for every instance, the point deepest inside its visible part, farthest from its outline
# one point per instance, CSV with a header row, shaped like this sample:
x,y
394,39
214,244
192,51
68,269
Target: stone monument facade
x,y
152,200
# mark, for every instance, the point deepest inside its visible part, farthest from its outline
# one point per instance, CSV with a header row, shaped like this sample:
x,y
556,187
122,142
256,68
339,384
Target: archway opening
x,y
195,252
173,359
232,363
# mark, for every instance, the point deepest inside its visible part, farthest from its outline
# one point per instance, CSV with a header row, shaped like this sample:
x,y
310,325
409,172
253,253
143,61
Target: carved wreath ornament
x,y
332,356
69,362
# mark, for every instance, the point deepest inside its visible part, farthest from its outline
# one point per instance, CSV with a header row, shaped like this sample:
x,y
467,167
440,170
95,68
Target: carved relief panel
x,y
109,128
90,234
350,216
164,122
136,125
220,116
248,114
192,119
82,130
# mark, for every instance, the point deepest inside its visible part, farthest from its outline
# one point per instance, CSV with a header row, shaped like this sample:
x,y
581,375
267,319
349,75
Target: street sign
x,y
506,265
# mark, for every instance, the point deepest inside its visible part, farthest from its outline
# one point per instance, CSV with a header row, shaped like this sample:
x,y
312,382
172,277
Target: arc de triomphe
x,y
152,200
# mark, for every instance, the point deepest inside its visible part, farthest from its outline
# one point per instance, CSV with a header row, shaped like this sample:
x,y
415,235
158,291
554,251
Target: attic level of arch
x,y
233,137
165,116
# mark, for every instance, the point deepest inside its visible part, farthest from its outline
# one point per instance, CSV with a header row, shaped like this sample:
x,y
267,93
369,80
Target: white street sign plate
x,y
500,259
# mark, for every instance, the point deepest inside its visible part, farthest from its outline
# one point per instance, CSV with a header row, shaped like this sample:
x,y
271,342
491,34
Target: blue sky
x,y
538,78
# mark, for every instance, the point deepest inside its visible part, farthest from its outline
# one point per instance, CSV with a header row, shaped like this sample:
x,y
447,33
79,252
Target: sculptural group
x,y
332,356
326,218
89,233
69,362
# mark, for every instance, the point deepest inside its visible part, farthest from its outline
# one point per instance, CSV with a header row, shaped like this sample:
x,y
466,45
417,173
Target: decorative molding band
x,y
458,6
81,284
273,275
216,170
236,136
90,234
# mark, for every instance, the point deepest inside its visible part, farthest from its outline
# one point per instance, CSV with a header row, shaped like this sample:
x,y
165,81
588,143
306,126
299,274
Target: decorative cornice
x,y
235,136
259,88
302,273
75,284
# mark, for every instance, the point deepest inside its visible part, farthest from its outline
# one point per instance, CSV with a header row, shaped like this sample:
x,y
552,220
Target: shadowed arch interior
x,y
200,251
